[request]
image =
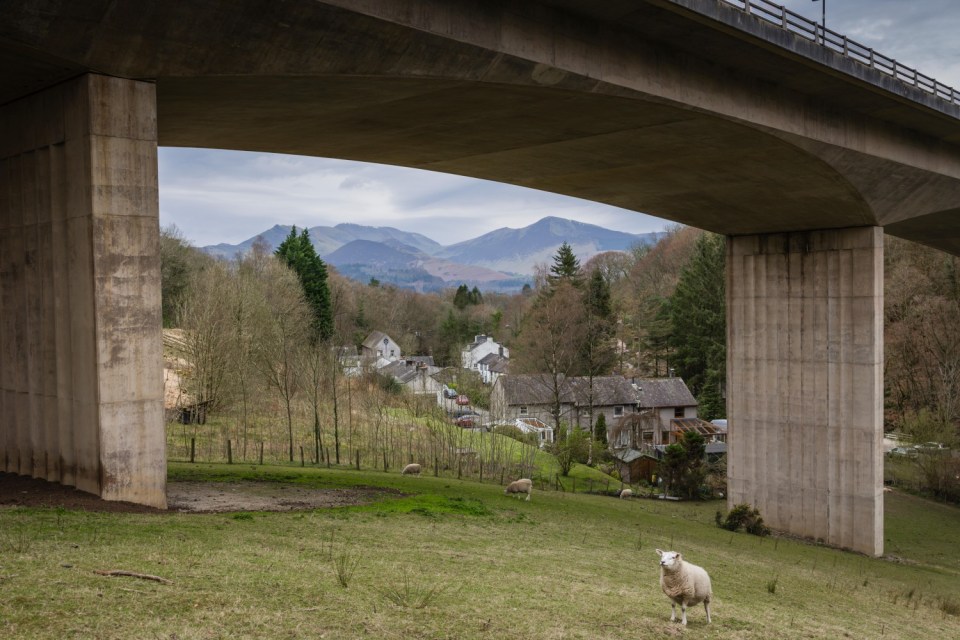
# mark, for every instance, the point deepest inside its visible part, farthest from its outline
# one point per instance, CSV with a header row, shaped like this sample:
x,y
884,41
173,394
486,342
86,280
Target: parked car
x,y
902,452
467,421
449,393
463,400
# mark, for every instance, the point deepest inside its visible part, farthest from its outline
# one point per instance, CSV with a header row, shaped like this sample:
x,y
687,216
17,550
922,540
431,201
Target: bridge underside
x,y
798,157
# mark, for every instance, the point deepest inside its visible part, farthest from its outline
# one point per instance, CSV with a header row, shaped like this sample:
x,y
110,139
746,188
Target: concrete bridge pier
x,y
81,397
805,382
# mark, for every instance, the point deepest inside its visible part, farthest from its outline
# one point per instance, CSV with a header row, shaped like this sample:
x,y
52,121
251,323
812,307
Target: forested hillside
x,y
650,311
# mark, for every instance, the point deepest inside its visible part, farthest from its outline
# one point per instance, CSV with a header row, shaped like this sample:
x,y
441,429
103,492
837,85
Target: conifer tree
x,y
697,313
565,267
298,253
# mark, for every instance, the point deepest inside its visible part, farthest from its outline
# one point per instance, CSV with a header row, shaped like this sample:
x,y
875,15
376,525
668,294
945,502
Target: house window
x,y
523,411
391,353
617,412
678,412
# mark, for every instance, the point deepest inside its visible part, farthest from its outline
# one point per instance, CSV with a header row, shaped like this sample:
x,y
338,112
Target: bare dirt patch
x,y
189,497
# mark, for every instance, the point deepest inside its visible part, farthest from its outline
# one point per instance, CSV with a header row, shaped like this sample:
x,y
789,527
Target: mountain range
x,y
501,260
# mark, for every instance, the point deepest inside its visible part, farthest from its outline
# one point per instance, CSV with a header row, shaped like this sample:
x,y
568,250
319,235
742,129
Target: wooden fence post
x,y
261,452
229,452
436,467
193,449
301,457
328,456
358,459
481,469
384,460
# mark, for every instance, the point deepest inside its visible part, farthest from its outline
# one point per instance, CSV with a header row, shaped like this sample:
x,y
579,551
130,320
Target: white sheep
x,y
684,583
411,469
523,485
626,493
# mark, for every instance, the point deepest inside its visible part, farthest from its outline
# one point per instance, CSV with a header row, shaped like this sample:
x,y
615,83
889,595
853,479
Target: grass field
x,y
456,559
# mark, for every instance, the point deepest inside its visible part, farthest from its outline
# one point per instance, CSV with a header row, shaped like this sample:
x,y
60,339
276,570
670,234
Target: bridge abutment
x,y
81,390
805,382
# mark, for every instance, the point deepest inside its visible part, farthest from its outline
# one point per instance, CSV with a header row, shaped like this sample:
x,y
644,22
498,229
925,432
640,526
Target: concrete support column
x,y
81,390
805,382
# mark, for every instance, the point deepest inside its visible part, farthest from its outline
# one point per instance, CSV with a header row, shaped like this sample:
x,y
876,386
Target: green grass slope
x,y
455,559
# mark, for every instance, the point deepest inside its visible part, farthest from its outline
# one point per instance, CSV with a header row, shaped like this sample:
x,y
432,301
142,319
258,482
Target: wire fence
x,y
782,17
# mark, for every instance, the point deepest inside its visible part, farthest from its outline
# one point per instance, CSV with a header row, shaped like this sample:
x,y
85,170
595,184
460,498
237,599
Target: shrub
x,y
572,449
743,516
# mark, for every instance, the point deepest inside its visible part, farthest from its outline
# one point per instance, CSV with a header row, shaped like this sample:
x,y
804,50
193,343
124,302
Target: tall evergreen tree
x,y
298,253
565,267
698,326
462,297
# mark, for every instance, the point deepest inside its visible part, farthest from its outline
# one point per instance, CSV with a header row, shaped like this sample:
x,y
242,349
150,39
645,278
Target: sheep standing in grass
x,y
684,583
411,469
523,485
626,493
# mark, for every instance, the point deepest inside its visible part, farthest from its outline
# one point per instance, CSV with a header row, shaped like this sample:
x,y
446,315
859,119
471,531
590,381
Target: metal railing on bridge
x,y
814,31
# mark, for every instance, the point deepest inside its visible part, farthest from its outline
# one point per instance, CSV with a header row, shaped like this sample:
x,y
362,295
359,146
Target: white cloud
x,y
227,196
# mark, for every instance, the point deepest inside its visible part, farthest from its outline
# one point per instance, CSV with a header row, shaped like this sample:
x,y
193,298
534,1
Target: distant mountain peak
x,y
483,260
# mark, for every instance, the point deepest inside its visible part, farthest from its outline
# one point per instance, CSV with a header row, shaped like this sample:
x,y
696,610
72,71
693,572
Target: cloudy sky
x,y
227,196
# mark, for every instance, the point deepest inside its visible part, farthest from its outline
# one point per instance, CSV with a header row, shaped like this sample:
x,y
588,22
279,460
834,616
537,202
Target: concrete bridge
x,y
692,110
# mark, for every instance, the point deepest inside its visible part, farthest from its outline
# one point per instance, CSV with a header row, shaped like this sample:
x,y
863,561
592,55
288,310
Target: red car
x,y
461,400
465,421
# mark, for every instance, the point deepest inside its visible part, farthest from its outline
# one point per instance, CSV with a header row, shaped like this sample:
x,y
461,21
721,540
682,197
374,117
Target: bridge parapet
x,y
816,32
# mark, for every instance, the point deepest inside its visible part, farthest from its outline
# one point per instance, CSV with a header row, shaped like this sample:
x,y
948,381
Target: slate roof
x,y
495,362
403,370
538,389
477,341
607,390
534,388
653,393
375,339
629,455
501,366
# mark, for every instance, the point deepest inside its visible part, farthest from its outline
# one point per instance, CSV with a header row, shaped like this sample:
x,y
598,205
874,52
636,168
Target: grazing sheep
x,y
684,583
523,485
626,493
410,470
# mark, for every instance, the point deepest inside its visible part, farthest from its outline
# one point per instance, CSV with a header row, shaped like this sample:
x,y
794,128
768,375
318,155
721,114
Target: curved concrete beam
x,y
646,105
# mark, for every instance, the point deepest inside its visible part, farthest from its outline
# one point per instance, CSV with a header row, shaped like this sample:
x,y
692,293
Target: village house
x,y
481,346
492,366
665,410
378,350
581,400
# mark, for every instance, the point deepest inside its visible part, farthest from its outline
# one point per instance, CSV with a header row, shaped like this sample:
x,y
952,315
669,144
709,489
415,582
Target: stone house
x,y
535,395
666,410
